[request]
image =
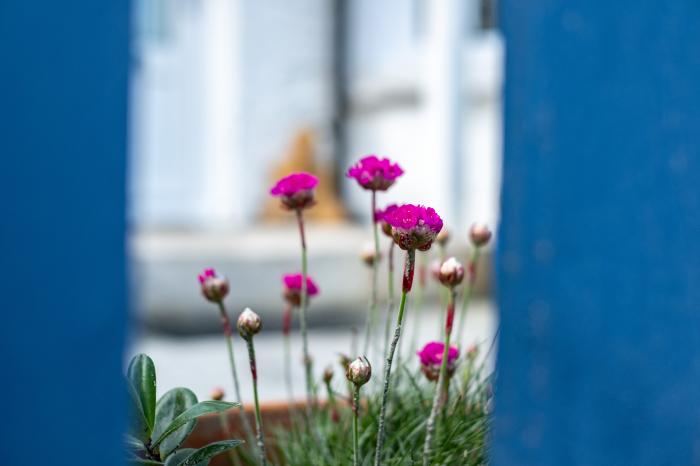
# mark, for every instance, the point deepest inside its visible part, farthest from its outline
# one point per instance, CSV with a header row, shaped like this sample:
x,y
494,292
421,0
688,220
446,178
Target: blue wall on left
x,y
63,122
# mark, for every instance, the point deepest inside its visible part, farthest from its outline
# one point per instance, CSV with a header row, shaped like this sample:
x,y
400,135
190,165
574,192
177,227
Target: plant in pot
x,y
433,412
157,429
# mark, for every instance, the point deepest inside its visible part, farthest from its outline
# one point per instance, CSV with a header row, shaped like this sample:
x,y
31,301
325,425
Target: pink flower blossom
x,y
292,288
414,226
296,191
431,359
214,286
374,173
381,217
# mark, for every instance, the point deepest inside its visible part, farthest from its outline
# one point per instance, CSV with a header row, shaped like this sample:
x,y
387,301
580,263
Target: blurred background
x,y
227,96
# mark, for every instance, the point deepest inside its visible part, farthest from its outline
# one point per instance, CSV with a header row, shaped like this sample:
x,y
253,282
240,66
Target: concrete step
x,y
165,265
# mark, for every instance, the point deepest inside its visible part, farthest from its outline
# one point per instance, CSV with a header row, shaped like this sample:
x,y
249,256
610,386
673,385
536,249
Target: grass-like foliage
x,y
461,433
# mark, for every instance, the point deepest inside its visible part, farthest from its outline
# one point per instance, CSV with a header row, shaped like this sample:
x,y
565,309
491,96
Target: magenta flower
x,y
214,286
292,288
414,226
296,191
381,216
431,359
374,173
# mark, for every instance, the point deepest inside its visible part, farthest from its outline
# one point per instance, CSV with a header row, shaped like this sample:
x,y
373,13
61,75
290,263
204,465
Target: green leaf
x,y
209,451
138,427
179,456
170,406
194,412
134,444
142,375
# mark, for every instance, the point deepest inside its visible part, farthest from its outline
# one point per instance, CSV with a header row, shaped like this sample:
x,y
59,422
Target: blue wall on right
x,y
598,263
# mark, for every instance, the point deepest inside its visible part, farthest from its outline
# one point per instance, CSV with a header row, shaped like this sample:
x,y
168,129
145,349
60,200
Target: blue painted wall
x,y
62,280
599,255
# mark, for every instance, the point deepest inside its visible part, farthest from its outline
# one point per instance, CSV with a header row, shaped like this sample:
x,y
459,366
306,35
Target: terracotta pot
x,y
211,428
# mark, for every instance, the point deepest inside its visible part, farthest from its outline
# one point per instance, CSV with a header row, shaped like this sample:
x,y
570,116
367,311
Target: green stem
x,y
371,314
226,323
407,282
303,323
390,300
288,369
440,394
258,417
355,429
467,293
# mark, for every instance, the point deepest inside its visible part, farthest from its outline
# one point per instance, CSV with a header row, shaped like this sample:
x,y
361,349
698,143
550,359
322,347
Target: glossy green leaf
x,y
209,451
133,444
138,427
170,406
179,456
194,412
142,375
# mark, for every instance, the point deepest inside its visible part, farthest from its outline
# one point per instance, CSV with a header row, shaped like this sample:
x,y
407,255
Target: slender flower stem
x,y
258,418
303,324
226,323
407,284
286,328
390,296
332,403
467,293
371,315
440,391
355,429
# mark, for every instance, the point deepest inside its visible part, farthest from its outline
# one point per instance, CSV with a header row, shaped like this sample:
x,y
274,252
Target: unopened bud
x,y
369,254
217,394
451,273
249,323
344,361
214,286
472,352
443,237
480,235
359,371
328,374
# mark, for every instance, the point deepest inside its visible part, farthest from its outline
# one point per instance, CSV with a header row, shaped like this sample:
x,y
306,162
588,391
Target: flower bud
x,y
451,273
479,235
472,352
249,323
344,361
368,254
217,394
359,371
214,286
443,237
328,374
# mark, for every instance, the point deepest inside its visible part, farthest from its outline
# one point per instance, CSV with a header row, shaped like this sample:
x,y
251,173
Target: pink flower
x,y
292,288
414,226
431,359
214,286
381,217
296,191
374,173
